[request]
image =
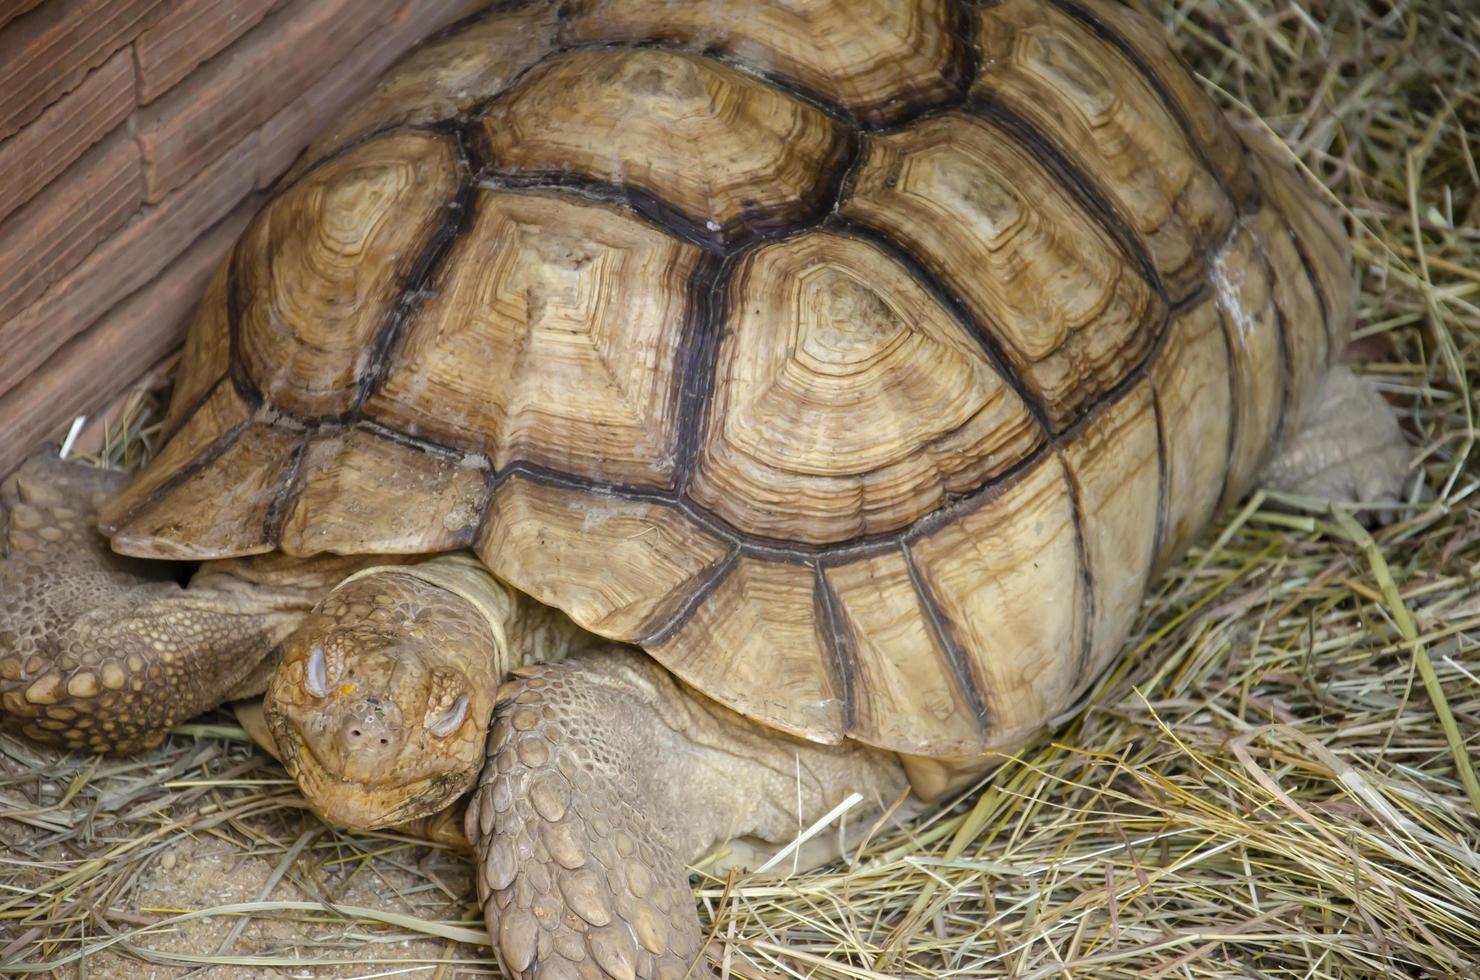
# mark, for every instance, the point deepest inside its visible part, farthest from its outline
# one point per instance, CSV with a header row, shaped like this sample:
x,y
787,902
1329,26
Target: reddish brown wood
x,y
199,119
286,134
33,157
123,263
11,9
48,236
87,372
45,53
187,34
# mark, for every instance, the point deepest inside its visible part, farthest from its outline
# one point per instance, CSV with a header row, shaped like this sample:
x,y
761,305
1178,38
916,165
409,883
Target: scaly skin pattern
x,y
100,653
604,777
382,701
1349,447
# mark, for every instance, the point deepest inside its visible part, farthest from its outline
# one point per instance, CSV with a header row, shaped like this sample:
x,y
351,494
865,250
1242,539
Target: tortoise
x,y
665,421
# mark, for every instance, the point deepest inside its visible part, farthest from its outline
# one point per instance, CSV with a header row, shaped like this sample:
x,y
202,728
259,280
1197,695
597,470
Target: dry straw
x,y
1277,779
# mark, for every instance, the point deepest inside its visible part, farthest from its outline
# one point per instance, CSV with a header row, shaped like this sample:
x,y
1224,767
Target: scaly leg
x,y
604,778
1350,447
105,654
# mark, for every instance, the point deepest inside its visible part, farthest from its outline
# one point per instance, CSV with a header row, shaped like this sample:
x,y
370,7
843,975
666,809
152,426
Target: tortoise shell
x,y
862,360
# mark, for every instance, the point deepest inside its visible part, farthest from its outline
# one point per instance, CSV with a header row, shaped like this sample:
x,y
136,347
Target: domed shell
x,y
861,361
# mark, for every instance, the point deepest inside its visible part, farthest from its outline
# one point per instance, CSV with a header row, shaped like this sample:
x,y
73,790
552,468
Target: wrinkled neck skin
x,y
382,702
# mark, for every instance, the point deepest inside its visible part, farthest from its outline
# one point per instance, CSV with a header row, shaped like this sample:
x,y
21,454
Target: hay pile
x,y
1277,779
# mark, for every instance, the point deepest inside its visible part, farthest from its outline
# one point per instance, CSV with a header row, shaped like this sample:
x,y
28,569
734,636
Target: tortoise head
x,y
382,701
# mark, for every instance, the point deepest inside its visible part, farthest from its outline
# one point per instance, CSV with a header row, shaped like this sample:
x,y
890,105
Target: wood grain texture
x,y
11,9
48,236
323,265
187,33
46,52
326,101
906,693
361,493
439,79
552,338
85,372
620,568
41,151
876,60
1070,309
138,252
847,400
757,644
1194,386
730,154
216,107
1007,580
1095,107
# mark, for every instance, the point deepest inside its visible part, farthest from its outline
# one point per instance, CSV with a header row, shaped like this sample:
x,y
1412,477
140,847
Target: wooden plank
x,y
124,263
89,370
188,34
286,134
37,154
48,236
11,9
45,53
199,119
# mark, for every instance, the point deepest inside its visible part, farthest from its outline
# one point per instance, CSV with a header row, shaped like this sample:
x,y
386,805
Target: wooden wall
x,y
136,139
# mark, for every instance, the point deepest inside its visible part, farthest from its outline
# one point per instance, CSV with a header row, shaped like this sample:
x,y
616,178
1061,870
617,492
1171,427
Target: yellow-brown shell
x,y
861,360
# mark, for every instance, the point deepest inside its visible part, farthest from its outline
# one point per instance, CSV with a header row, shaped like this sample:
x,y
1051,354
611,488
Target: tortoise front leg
x,y
106,654
604,778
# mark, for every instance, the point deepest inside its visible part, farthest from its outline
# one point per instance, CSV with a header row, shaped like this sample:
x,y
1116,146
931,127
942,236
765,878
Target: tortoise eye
x,y
316,674
446,723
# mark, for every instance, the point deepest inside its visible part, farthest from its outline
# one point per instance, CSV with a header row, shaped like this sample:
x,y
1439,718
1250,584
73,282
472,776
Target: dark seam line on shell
x,y
832,553
697,359
1287,352
714,576
837,640
968,59
957,661
1310,274
188,413
1163,485
1333,353
1234,407
787,85
750,227
382,431
1086,577
246,389
412,293
282,186
1087,192
1164,95
202,459
946,297
290,486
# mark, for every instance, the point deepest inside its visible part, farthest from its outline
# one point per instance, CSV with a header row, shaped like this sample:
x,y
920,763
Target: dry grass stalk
x,y
1277,779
